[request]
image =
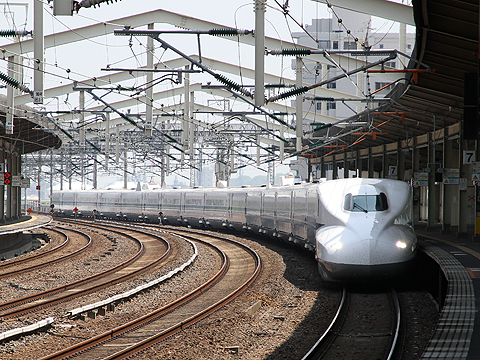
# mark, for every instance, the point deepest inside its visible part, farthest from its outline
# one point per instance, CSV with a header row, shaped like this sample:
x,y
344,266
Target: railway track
x,y
152,250
66,250
240,267
365,326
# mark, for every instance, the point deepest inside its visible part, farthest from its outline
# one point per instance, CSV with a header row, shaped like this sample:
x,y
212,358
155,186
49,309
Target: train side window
x,y
348,202
382,203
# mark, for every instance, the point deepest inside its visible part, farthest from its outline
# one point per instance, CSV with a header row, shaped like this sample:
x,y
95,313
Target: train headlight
x,y
401,244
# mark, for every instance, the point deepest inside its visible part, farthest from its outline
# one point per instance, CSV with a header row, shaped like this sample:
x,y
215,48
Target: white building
x,y
332,35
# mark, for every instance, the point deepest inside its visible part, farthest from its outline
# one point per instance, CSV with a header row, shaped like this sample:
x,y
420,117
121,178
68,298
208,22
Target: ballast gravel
x,y
295,307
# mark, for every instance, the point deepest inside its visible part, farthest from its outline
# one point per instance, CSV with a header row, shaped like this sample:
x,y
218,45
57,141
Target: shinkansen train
x,y
358,228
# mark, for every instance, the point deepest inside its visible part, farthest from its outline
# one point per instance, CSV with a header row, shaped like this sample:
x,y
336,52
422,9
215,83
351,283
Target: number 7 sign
x,y
468,156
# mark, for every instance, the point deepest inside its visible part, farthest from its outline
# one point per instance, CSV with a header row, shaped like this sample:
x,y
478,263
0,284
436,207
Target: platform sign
x,y
451,176
476,171
463,184
420,179
16,180
392,172
26,183
468,157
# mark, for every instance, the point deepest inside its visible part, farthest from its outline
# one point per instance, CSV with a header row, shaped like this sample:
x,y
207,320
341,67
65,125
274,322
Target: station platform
x,y
14,237
457,335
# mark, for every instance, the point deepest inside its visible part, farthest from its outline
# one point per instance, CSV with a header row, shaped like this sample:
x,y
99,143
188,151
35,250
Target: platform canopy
x,y
31,132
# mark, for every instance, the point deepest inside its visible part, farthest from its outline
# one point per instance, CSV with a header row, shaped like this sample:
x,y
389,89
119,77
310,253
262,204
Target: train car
x,y
358,228
366,231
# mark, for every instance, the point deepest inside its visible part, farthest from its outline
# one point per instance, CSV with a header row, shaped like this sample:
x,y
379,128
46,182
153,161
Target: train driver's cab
x,y
364,199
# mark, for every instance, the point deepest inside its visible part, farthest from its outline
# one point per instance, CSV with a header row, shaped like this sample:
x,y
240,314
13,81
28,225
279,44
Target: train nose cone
x,y
342,245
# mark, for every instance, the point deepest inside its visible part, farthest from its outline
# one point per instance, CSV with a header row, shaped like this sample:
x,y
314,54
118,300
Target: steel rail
x,y
49,252
32,307
89,343
312,352
23,260
149,318
320,348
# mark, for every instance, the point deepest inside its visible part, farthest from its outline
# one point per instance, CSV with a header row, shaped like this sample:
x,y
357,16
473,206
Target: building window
x,y
332,85
381,46
391,64
319,106
349,45
323,44
331,106
335,45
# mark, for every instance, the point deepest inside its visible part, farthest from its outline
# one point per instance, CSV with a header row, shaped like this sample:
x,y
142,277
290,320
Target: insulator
x,y
228,32
8,33
293,52
88,3
293,92
12,82
232,85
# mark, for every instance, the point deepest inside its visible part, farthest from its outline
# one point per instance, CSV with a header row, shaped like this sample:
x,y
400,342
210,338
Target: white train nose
x,y
342,253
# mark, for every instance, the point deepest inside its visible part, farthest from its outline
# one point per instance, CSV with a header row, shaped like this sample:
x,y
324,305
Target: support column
x,y
260,8
125,176
191,139
39,176
416,191
334,168
400,162
186,115
19,188
358,164
107,139
9,189
51,175
432,204
95,170
70,174
345,165
299,104
2,188
10,97
162,173
81,140
462,196
149,91
448,197
384,162
323,171
370,163
117,144
38,51
61,169
282,144
13,189
403,43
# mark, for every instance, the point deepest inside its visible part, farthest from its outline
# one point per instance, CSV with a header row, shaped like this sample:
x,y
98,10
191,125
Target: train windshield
x,y
366,203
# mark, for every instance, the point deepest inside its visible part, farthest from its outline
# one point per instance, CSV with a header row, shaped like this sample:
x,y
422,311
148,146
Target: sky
x,y
85,59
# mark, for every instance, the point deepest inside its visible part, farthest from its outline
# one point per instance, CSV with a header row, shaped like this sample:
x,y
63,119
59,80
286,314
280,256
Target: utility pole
x,y
299,103
149,91
38,51
259,96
